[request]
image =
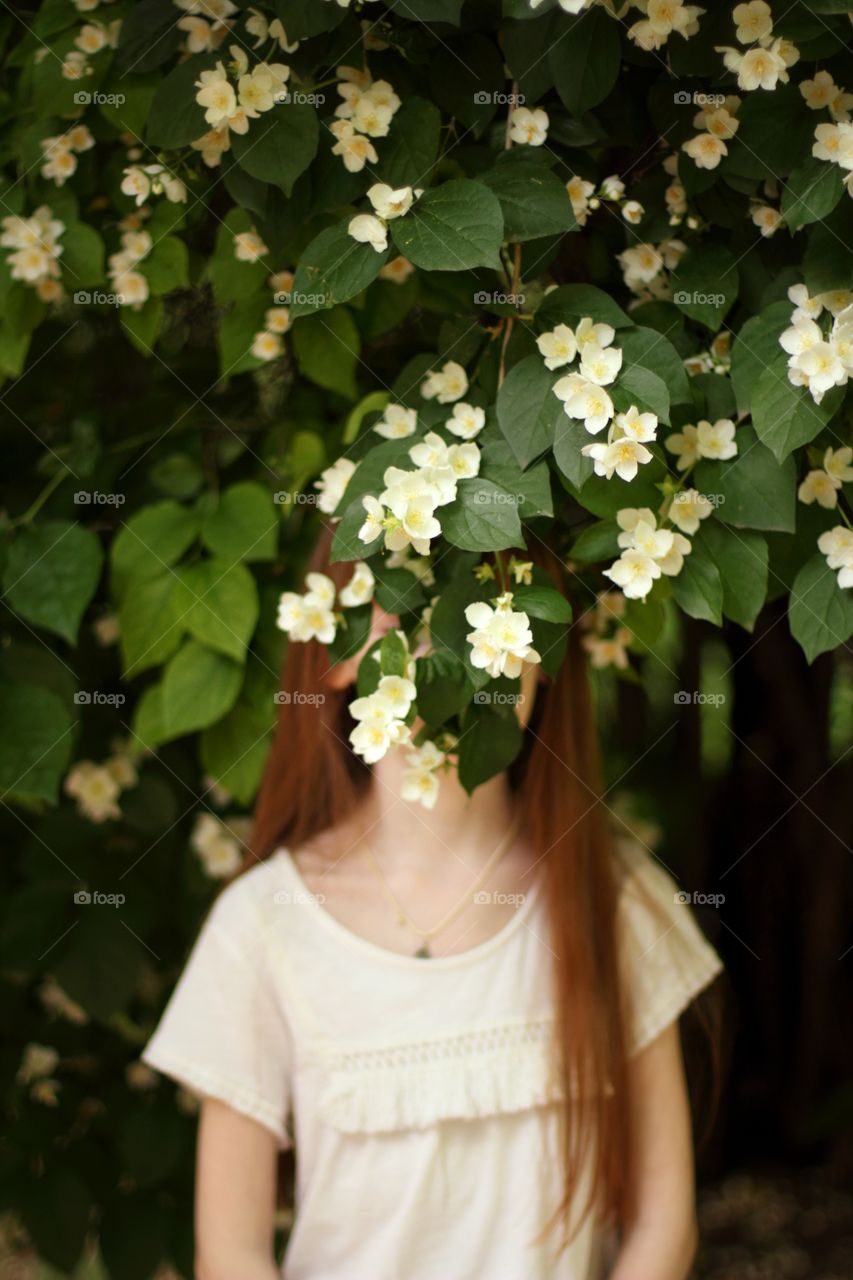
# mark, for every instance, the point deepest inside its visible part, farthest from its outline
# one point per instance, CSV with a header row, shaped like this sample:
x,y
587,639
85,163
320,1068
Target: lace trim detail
x,y
488,1071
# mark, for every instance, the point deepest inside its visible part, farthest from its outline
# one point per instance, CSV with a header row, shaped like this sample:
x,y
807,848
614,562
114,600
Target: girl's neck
x,y
459,827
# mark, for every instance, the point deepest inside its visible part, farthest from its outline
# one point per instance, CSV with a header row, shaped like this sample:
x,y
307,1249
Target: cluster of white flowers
x,y
388,203
607,638
421,781
267,343
582,392
366,112
405,510
217,846
837,545
130,285
208,23
647,552
716,359
97,787
528,128
311,615
36,250
60,153
381,717
765,64
249,246
90,39
822,484
501,640
819,358
586,198
228,108
834,142
718,124
662,19
332,484
143,181
703,439
625,449
644,267
446,384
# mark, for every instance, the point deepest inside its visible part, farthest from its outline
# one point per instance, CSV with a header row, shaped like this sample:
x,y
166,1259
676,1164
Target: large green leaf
x,y
785,416
149,623
533,200
244,524
705,284
584,59
327,349
234,751
51,574
407,155
752,491
489,743
217,602
333,268
453,227
482,517
176,119
569,303
280,146
152,540
36,743
820,612
811,192
756,346
741,557
200,686
527,409
698,588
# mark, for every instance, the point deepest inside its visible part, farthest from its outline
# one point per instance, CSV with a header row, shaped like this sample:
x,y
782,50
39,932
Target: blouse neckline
x,y
417,963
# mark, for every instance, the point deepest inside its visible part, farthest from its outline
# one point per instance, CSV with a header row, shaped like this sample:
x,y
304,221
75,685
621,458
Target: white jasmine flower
x,y
467,420
389,202
266,345
216,846
529,127
632,212
216,94
446,384
612,187
354,149
584,399
579,192
360,588
501,641
368,229
636,425
716,440
609,651
621,456
558,346
600,364
705,149
249,247
754,21
397,422
375,518
95,790
688,508
819,487
766,218
332,484
593,334
837,545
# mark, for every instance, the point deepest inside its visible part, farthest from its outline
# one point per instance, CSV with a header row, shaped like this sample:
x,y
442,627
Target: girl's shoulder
x,y
244,905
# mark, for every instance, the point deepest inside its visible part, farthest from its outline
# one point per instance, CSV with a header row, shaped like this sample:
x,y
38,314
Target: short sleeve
x,y
223,1034
666,959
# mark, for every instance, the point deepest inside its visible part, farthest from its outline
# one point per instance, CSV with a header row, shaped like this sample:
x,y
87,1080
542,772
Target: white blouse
x,y
421,1094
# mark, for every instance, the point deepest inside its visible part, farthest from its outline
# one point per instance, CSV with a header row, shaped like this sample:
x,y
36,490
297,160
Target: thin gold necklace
x,y
423,952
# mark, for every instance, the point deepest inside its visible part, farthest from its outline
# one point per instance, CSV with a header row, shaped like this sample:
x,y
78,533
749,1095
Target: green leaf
x,y
200,686
482,517
449,627
585,59
533,200
785,416
150,541
393,655
428,10
280,146
143,326
100,964
569,439
569,303
453,227
442,685
327,349
82,260
56,1210
176,119
407,155
352,633
36,744
397,590
235,750
542,602
489,743
333,268
741,557
167,266
705,284
304,18
217,602
51,574
820,612
532,487
811,192
757,492
244,524
148,36
597,542
528,411
149,624
698,588
755,347
642,388
648,349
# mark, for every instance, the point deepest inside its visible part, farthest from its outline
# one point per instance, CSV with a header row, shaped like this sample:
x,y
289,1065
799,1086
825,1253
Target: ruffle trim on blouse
x,y
490,1071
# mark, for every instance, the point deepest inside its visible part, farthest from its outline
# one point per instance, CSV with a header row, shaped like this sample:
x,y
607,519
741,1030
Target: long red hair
x,y
313,781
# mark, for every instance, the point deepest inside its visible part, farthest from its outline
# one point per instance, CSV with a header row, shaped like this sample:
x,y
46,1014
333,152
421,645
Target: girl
x,y
463,1019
